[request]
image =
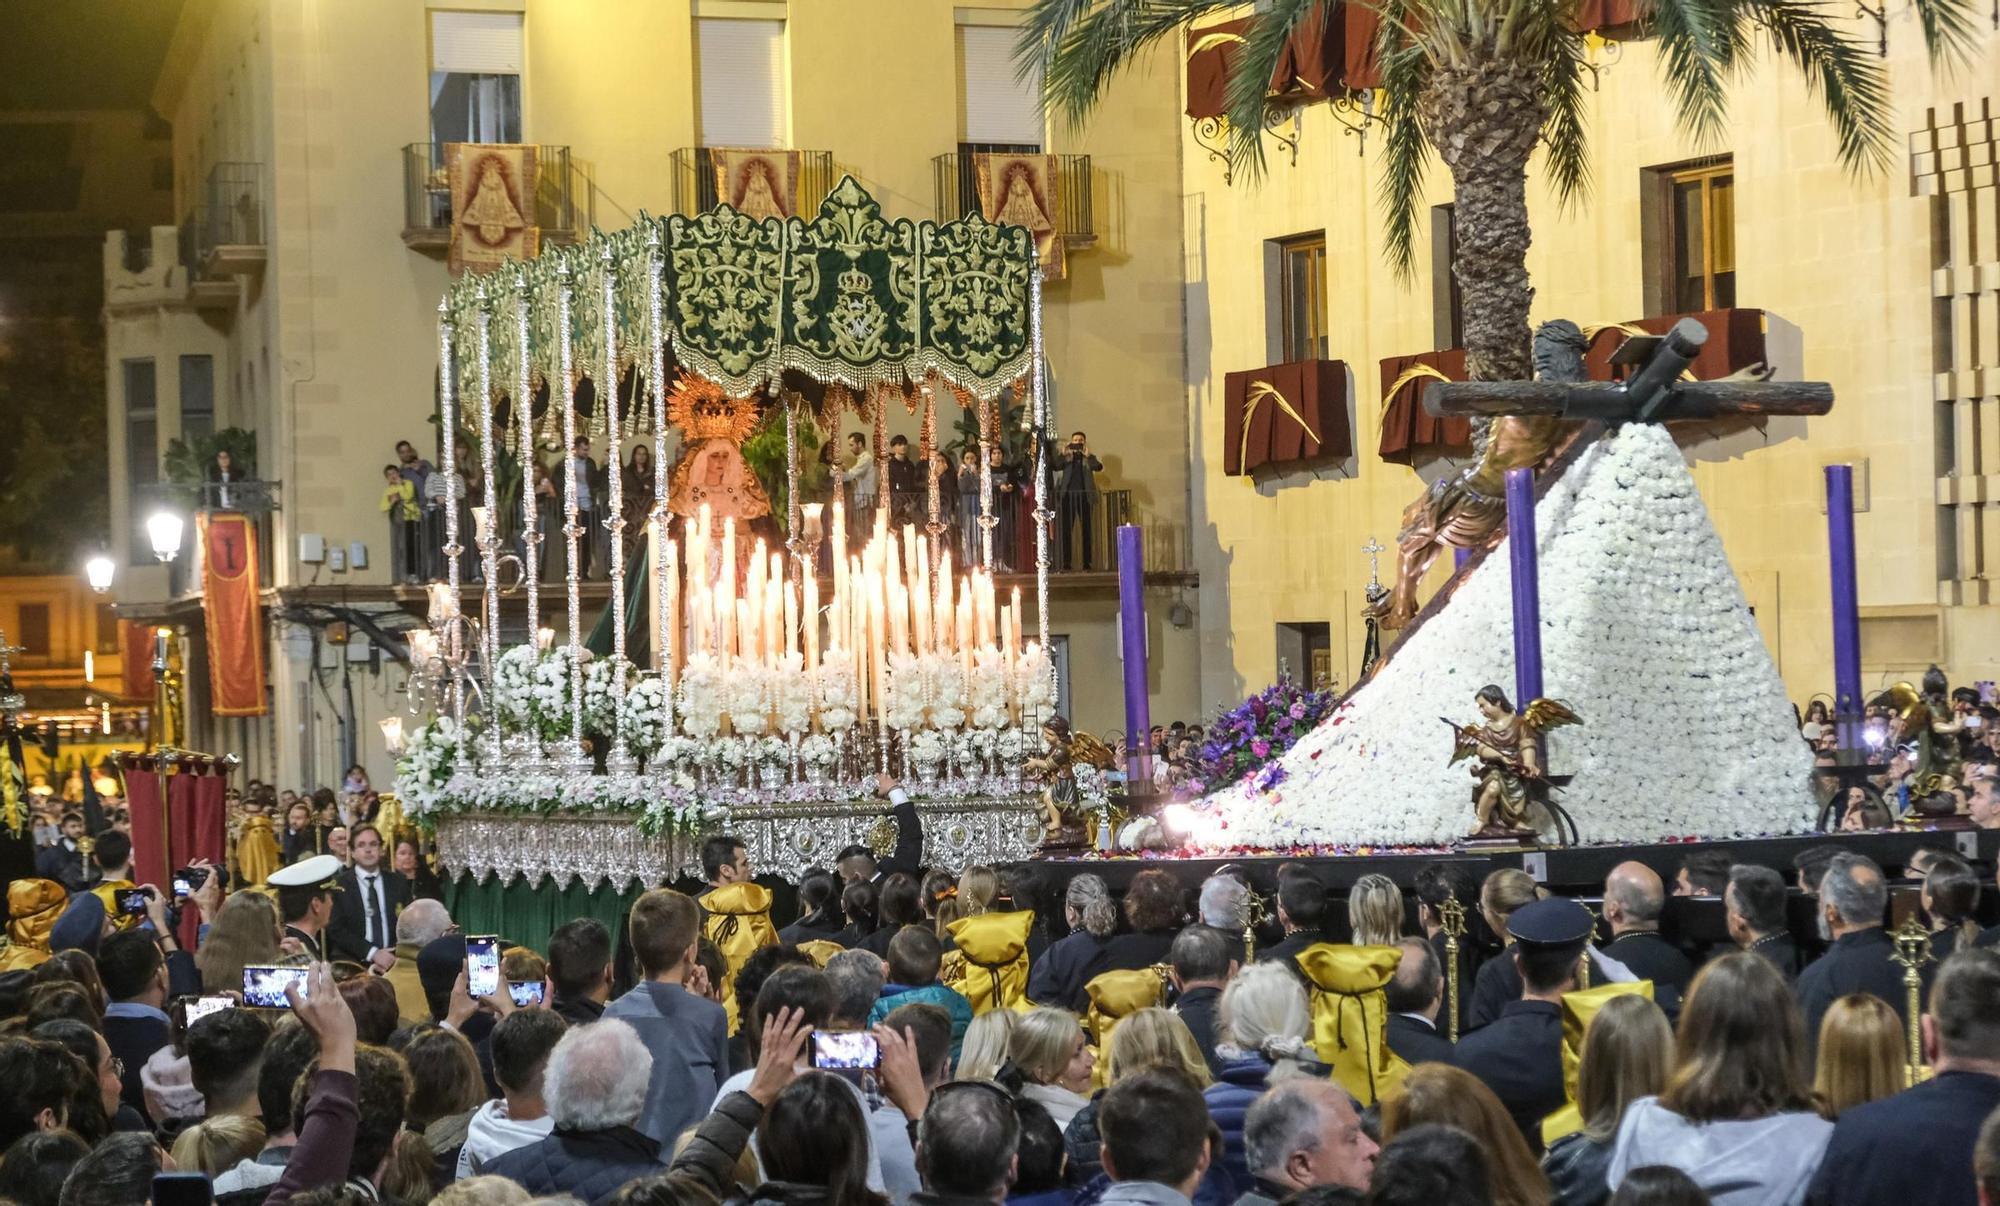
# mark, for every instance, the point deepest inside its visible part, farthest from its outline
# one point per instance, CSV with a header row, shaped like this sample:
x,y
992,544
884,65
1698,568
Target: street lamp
x,y
99,570
164,530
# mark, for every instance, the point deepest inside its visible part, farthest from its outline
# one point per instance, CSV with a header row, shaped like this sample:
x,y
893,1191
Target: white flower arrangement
x,y
746,697
1014,744
430,755
944,683
833,691
728,753
1687,730
1035,684
774,750
644,721
818,750
514,686
600,699
928,747
903,693
701,705
989,689
792,695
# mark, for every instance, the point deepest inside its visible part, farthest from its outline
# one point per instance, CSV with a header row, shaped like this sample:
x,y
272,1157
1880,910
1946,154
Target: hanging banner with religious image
x,y
492,204
757,184
1285,414
234,614
1024,190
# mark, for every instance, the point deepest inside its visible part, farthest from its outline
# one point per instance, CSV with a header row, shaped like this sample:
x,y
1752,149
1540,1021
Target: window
x,y
197,397
1305,651
997,109
33,621
476,61
741,61
107,628
1301,298
1688,231
142,449
1447,306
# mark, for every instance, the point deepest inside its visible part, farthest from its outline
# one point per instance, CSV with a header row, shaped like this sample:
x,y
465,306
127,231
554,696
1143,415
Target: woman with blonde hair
x,y
1738,1114
1440,1093
1628,1051
1155,1038
245,931
218,1144
1375,906
987,1043
1860,1054
1055,1060
446,1090
978,887
1499,980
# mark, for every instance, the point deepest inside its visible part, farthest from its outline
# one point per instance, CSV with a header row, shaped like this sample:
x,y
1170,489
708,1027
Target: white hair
x,y
422,922
1264,1012
1224,903
597,1077
1283,1121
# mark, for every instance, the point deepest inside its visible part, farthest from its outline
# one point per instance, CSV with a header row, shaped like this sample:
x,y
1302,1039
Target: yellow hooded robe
x,y
738,922
1351,1015
990,966
33,907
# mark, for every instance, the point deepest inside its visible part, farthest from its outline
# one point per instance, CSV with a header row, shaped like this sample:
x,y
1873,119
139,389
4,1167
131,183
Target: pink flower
x,y
1261,748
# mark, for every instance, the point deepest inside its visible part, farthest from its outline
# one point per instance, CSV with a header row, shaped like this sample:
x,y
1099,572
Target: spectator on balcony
x,y
635,489
1006,506
413,467
968,507
1076,500
222,474
903,494
546,521
945,479
399,503
586,513
861,483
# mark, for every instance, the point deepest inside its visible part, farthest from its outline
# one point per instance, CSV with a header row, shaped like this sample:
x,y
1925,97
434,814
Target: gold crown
x,y
703,411
854,280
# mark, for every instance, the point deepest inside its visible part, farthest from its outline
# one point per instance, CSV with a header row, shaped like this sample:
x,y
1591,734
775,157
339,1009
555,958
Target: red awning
x,y
1285,414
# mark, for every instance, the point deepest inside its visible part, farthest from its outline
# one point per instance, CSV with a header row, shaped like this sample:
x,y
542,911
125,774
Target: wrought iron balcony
x,y
563,202
956,179
695,190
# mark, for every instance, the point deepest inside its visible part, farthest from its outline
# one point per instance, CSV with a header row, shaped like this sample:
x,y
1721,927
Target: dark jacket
x,y
1196,1008
1497,985
813,927
1519,1056
591,1165
1136,951
1241,1082
347,930
1857,962
1652,957
578,1011
1576,1166
1058,977
1289,947
1913,1147
1417,1041
1781,951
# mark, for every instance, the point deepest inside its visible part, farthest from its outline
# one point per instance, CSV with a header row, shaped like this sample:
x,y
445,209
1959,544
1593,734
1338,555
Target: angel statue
x,y
1062,799
1508,774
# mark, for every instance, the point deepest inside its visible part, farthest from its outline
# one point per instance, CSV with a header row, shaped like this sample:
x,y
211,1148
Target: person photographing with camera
x,y
1076,499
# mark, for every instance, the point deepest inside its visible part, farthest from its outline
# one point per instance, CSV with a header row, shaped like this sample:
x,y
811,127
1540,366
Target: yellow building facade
x,y
1871,284
304,132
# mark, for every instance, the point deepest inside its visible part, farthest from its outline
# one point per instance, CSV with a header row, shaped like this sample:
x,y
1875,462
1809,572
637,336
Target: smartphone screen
x,y
182,888
482,965
843,1049
264,985
182,1189
132,902
525,992
201,1007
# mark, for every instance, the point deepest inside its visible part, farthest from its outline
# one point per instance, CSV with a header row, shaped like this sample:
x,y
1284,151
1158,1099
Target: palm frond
x,y
1250,74
1405,153
1077,46
1846,77
1565,134
1701,44
1949,32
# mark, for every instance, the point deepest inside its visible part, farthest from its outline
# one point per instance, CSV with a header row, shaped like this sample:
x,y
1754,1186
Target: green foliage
x,y
187,461
1013,437
764,452
54,501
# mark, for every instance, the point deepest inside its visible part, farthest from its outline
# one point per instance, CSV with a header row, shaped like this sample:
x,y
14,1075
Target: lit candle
x,y
965,633
1014,643
791,619
1007,632
811,619
671,559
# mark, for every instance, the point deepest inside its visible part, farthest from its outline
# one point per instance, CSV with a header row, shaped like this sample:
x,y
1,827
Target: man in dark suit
x,y
1633,900
1302,911
1200,965
1917,1146
305,901
1519,1054
363,928
1415,998
63,859
1852,899
1754,905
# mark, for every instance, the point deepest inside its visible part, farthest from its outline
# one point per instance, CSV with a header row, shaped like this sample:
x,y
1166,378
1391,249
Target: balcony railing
x,y
255,497
563,203
225,235
694,181
956,180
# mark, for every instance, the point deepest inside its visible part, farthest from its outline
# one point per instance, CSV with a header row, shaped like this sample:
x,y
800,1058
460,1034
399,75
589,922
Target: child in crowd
x,y
915,956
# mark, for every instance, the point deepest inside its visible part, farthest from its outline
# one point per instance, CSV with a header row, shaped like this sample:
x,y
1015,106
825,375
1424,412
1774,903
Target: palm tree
x,y
1482,82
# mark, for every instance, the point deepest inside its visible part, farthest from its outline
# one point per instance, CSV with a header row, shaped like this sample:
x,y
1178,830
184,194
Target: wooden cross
x,y
1654,394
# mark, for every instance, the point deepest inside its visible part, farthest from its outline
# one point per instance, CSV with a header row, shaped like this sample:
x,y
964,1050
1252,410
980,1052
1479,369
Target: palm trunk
x,y
1484,120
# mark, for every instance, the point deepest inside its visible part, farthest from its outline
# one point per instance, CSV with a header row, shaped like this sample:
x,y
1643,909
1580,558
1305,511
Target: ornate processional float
x,y
785,666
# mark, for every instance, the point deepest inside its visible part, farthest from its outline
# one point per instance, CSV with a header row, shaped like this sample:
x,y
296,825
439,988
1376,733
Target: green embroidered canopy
x,y
849,297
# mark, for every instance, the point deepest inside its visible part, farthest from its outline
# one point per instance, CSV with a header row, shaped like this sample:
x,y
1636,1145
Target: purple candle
x,y
1132,638
1527,586
1846,604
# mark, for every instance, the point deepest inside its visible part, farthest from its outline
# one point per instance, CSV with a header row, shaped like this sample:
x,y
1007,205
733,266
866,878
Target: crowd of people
x,y
943,1040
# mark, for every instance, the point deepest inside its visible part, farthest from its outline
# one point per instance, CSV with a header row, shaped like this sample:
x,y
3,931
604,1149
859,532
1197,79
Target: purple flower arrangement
x,y
1249,739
